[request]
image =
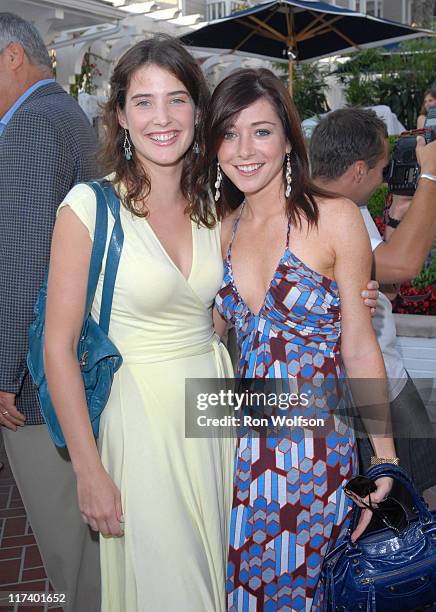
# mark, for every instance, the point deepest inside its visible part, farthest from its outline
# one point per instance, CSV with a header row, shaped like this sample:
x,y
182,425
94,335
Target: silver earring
x,y
127,146
288,175
219,178
195,146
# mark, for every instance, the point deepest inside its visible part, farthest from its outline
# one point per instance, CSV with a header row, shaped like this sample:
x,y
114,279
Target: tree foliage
x,y
398,79
308,88
84,82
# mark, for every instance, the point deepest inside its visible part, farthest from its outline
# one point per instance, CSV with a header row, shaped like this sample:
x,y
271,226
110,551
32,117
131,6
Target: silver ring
x,y
5,412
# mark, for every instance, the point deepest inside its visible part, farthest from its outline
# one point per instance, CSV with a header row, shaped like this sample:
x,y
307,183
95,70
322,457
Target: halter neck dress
x,y
288,504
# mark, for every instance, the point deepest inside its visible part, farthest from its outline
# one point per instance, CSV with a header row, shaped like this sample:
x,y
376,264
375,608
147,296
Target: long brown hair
x,y
235,93
167,53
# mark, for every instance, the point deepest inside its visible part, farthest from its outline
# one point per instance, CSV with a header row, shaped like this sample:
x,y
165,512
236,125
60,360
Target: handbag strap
x,y
113,256
400,475
378,471
98,245
371,602
106,198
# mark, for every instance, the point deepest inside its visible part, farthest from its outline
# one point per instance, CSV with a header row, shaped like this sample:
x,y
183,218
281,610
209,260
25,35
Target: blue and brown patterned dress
x,y
288,506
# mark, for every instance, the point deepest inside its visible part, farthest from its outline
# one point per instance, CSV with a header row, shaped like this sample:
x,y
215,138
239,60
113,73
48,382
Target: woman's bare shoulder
x,y
338,217
338,207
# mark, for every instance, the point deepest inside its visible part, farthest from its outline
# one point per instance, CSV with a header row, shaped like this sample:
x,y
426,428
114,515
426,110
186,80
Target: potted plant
x,y
420,288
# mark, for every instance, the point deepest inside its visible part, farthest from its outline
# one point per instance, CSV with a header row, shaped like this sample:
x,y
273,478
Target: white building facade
x,y
395,10
107,28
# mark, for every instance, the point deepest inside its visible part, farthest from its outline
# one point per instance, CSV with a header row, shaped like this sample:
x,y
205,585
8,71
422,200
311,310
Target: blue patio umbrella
x,y
297,30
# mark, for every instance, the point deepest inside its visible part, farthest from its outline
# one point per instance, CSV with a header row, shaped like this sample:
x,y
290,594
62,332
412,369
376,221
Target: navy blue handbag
x,y
98,357
384,571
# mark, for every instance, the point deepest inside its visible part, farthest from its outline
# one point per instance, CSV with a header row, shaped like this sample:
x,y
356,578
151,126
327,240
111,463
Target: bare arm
x,y
360,351
402,256
420,122
99,499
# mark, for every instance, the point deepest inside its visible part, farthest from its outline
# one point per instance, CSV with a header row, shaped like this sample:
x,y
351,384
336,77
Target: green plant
x,y
308,88
392,139
427,276
237,8
398,79
84,82
358,77
376,203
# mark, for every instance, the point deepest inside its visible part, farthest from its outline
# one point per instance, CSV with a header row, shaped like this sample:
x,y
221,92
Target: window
x,y
216,10
374,7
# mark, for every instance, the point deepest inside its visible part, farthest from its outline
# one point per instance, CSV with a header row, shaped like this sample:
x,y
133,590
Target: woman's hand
x,y
100,503
370,295
384,486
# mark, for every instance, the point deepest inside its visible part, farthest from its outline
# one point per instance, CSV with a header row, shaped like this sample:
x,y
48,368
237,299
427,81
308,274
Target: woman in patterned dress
x,y
300,319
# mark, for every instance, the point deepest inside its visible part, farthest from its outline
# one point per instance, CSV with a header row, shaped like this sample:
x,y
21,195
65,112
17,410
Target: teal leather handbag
x,y
98,357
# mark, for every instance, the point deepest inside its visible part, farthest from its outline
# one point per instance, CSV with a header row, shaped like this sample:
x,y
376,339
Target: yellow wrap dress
x,y
176,492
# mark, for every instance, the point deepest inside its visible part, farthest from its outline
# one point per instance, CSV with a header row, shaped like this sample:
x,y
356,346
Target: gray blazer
x,y
47,147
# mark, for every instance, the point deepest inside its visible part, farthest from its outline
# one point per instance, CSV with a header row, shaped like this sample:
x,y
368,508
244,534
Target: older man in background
x,y
46,146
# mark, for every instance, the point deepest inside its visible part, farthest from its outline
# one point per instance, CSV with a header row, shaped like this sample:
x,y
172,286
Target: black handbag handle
x,y
393,471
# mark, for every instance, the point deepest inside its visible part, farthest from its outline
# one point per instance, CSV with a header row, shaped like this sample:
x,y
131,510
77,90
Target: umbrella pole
x,y
290,74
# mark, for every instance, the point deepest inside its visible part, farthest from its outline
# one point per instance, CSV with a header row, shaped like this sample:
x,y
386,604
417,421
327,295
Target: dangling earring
x,y
288,175
219,178
127,146
195,146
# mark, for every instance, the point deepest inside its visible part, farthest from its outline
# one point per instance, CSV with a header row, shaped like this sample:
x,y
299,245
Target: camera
x,y
402,174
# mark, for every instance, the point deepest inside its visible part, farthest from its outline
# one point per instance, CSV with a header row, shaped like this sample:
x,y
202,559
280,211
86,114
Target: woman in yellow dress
x,y
160,501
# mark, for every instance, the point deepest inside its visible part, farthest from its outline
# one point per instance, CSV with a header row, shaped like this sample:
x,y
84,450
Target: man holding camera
x,y
349,152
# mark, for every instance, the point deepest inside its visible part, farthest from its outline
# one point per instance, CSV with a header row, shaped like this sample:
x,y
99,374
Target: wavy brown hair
x,y
235,93
167,53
